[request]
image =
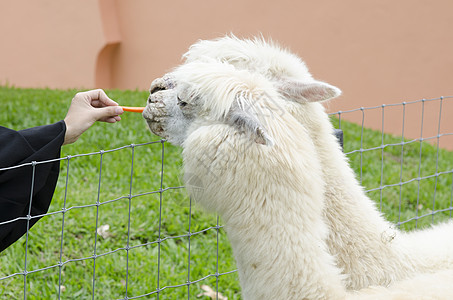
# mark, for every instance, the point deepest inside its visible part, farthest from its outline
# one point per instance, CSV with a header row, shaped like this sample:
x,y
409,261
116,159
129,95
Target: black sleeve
x,y
19,186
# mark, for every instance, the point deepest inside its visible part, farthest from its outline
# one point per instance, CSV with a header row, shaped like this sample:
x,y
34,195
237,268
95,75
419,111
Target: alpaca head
x,y
222,79
206,92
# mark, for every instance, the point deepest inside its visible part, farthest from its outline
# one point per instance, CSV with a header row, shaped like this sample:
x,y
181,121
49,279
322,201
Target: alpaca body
x,y
248,159
434,286
231,168
367,247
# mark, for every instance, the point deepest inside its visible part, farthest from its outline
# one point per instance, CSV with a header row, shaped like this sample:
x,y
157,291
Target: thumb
x,y
108,113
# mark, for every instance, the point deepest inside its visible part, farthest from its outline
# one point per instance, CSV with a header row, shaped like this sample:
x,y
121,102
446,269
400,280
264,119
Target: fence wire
x,y
420,190
25,272
417,193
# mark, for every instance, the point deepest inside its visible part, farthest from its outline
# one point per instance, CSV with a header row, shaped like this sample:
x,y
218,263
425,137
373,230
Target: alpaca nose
x,y
161,84
157,88
155,98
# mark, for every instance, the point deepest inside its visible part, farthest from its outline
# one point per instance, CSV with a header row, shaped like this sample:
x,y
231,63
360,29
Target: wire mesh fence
x,y
409,175
150,241
127,216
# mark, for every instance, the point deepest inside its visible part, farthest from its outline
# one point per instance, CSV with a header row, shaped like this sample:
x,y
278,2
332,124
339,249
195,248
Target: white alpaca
x,y
249,160
254,187
362,241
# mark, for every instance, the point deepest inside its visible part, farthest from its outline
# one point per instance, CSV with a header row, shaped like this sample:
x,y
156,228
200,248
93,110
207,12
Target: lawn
x,y
157,244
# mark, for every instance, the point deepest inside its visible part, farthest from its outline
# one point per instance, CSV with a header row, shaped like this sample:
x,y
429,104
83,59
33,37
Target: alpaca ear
x,y
314,91
243,116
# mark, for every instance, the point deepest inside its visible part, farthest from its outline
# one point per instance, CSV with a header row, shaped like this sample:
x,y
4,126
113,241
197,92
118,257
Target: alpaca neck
x,y
283,256
343,191
271,199
353,217
278,234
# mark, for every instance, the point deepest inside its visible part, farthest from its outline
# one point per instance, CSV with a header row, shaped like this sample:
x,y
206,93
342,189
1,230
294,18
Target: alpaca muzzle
x,y
155,115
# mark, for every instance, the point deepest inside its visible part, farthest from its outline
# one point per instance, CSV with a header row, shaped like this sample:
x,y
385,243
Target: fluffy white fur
x,y
247,158
359,237
255,188
434,286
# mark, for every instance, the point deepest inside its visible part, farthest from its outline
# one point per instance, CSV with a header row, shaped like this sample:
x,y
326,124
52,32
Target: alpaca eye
x,y
181,103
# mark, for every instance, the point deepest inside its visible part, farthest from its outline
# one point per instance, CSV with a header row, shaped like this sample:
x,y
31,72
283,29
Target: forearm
x,y
27,184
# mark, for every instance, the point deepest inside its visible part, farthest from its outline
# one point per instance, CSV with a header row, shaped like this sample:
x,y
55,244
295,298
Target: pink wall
x,y
48,43
376,51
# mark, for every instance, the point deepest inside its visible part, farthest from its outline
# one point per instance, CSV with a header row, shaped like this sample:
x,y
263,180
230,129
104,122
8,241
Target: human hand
x,y
87,108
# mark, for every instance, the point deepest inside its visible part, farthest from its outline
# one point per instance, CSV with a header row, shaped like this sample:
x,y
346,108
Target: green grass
x,y
387,167
23,108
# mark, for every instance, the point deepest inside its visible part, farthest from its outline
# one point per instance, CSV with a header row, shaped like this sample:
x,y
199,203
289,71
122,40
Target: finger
x,y
99,97
104,99
111,119
97,103
108,112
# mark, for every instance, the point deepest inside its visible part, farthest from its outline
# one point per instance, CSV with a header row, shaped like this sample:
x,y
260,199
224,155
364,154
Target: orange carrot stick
x,y
133,109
